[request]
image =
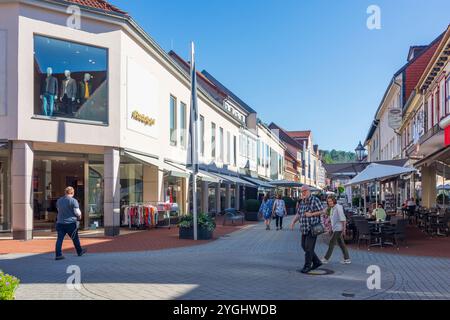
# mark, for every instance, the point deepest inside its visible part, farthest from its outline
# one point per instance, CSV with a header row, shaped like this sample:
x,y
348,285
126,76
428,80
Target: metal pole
x,y
194,202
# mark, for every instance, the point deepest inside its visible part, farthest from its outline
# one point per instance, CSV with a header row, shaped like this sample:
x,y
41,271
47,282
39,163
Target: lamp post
x,y
360,154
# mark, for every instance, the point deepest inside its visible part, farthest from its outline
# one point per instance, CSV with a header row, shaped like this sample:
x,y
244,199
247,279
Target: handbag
x,y
317,229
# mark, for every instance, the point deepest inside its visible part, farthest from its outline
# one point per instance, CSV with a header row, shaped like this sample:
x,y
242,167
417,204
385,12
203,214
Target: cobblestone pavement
x,y
250,264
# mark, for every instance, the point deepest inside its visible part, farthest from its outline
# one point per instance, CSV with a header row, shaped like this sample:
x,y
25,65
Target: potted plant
x,y
205,225
252,209
8,286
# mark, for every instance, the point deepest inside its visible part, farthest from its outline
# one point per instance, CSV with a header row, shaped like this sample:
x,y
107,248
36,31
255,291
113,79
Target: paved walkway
x,y
250,264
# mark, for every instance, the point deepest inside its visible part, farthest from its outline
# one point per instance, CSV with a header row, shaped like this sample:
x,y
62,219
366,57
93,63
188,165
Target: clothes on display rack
x,y
140,216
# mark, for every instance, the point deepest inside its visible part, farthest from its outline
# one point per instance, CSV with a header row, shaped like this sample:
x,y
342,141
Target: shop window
x,y
183,125
202,135
70,79
173,121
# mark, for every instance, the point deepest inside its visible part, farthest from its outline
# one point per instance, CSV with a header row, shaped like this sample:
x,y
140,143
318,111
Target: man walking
x,y
308,214
66,223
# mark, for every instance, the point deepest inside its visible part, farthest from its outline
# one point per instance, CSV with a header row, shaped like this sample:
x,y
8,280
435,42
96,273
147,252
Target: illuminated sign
x,y
146,120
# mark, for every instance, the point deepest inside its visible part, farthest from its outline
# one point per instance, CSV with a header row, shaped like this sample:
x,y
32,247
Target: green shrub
x,y
252,205
204,222
441,198
355,201
290,203
8,286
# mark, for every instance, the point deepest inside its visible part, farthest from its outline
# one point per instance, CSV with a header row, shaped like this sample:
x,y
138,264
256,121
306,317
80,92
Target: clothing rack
x,y
143,215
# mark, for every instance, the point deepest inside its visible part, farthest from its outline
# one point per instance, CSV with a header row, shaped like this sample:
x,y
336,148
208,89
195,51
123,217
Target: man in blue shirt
x,y
66,222
308,214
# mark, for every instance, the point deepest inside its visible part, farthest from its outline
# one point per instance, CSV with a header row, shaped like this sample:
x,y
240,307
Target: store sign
x,y
395,118
445,124
142,99
2,72
146,120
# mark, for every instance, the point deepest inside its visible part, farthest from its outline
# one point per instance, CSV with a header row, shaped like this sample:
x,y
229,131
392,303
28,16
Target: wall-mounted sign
x,y
143,93
146,120
395,118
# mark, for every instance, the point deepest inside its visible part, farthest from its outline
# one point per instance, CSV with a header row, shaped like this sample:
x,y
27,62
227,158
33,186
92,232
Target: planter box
x,y
252,216
188,233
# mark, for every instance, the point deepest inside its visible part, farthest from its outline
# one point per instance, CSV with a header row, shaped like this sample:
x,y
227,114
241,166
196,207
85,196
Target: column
x,y
22,190
237,200
112,192
218,204
429,193
150,184
204,196
161,191
228,196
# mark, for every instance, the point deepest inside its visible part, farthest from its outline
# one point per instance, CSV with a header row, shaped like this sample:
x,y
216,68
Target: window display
x,y
71,80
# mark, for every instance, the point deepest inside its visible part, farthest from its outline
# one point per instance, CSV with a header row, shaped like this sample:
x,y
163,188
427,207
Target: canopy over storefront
x,y
379,172
148,160
258,182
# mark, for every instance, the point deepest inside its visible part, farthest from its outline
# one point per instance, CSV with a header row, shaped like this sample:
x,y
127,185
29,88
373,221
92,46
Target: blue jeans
x,y
72,231
48,101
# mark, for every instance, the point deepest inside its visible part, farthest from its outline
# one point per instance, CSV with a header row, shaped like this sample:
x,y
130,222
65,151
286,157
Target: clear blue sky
x,y
304,64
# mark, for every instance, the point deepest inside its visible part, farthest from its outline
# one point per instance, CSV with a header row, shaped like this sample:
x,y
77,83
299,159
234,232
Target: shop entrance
x,y
50,178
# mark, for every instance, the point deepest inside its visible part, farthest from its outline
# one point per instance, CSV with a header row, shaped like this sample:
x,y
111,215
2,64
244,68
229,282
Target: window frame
x,y
173,120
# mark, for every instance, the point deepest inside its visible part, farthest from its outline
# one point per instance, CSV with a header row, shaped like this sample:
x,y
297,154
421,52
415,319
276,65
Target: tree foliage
x,y
336,156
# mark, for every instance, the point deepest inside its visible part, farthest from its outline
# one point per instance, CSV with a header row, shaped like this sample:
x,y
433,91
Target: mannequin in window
x,y
49,93
68,93
85,88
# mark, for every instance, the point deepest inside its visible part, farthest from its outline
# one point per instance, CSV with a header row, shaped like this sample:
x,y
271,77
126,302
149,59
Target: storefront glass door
x,y
95,195
50,178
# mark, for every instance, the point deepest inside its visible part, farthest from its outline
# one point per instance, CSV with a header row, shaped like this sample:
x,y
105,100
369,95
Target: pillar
x,y
112,192
429,193
228,196
218,202
22,190
150,184
204,196
161,192
237,197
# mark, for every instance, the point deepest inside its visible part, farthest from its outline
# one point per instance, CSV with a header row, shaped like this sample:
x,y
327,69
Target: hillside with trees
x,y
336,156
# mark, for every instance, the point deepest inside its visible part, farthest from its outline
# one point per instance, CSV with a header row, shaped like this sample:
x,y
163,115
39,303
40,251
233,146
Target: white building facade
x,y
104,109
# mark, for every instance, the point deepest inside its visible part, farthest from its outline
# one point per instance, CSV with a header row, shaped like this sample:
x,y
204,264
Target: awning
x,y
233,179
378,172
260,183
208,177
147,160
287,184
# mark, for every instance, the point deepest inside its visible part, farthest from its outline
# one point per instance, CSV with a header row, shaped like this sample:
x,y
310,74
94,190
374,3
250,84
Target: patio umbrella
x,y
378,172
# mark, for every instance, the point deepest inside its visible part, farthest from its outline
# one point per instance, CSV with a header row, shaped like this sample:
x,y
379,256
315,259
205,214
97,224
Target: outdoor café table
x,y
378,226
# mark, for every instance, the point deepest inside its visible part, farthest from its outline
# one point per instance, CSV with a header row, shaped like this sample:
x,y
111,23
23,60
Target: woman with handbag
x,y
266,210
279,211
338,225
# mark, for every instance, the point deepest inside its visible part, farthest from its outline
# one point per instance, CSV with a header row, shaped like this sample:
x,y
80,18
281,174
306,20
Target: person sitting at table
x,y
379,213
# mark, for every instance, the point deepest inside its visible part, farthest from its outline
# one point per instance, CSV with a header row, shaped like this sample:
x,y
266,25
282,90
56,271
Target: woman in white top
x,y
338,226
279,211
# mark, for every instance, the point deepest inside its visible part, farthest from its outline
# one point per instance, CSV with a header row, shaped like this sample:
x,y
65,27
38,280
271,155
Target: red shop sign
x,y
447,136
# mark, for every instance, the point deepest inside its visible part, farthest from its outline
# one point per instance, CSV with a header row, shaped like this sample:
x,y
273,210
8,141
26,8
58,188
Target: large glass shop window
x,y
71,80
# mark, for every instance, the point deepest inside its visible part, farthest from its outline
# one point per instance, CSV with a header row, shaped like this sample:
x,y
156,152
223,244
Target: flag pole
x,y
194,144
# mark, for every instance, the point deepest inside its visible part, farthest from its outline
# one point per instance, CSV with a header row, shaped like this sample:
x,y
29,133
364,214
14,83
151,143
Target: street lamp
x,y
360,152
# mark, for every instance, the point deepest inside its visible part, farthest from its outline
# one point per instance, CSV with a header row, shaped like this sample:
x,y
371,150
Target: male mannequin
x,y
68,93
49,93
85,88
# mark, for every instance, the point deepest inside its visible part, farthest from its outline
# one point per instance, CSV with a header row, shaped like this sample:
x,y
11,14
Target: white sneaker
x,y
324,261
346,261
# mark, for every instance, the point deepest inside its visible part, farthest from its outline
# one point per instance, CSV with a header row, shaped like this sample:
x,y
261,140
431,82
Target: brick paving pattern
x,y
250,264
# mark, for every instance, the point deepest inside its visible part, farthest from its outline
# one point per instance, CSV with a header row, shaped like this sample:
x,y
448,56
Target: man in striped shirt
x,y
308,214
